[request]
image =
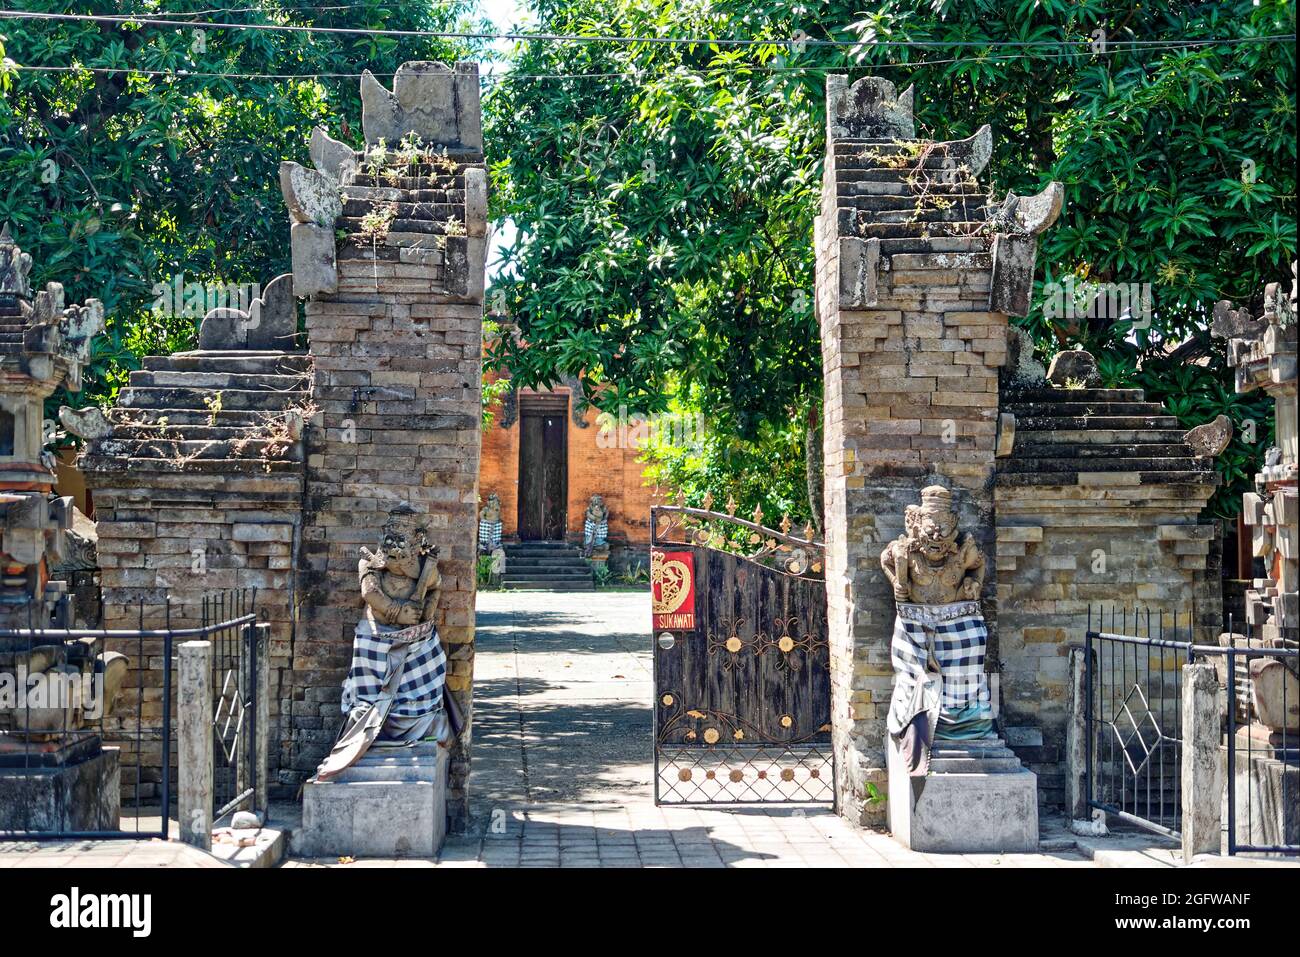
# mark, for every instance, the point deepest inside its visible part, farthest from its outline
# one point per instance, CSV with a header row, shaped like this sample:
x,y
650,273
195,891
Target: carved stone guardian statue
x,y
489,535
941,691
595,529
393,694
490,525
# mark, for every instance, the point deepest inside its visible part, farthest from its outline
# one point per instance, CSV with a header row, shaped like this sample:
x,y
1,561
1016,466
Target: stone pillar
x,y
194,743
394,277
262,706
916,275
1202,783
1076,745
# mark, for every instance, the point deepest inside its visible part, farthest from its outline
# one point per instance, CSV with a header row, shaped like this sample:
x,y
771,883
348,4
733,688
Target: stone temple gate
x,y
254,463
270,455
918,272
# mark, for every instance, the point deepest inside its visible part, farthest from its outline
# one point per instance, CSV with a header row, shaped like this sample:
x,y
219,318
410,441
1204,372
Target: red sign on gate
x,y
672,585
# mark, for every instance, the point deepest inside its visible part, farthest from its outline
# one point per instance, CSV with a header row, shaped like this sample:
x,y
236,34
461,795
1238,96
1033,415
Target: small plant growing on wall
x,y
376,159
213,402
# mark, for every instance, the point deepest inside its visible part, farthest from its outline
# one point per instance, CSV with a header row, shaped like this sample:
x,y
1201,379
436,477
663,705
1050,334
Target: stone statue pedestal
x,y
391,803
83,793
977,799
1266,780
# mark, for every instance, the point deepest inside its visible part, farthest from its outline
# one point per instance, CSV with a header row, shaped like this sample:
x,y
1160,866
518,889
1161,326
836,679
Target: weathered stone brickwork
x,y
197,483
397,346
1263,351
916,274
1098,504
247,464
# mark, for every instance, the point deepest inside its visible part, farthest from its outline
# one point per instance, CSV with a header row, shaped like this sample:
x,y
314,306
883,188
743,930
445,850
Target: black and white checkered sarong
x,y
958,638
424,674
595,533
489,535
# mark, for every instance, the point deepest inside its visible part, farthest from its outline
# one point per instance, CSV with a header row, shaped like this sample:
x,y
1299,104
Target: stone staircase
x,y
1073,436
982,756
226,412
547,566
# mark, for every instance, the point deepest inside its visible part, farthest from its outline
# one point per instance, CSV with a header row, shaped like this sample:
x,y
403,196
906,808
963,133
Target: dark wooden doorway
x,y
543,467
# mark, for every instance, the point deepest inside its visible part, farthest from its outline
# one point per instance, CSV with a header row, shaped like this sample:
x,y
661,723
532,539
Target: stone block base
x,y
1268,814
391,803
83,796
977,799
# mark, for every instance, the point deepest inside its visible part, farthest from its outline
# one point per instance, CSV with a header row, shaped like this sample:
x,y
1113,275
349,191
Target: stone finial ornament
x,y
270,323
1017,222
871,108
14,267
1209,440
88,423
314,201
932,562
332,157
1230,323
1031,215
311,195
1073,367
438,103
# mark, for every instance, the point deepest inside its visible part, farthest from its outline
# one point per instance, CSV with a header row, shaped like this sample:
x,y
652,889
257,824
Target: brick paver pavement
x,y
562,773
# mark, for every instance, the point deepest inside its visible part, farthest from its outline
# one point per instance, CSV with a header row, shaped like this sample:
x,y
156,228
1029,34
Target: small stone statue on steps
x,y
595,529
489,536
939,640
393,693
490,525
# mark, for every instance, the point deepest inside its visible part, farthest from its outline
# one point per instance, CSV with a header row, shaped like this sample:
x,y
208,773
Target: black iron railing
x,y
145,722
1134,735
1133,716
235,677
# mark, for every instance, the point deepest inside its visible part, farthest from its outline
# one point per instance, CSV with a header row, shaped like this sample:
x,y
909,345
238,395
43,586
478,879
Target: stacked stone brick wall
x,y
395,324
192,500
916,275
248,465
1098,510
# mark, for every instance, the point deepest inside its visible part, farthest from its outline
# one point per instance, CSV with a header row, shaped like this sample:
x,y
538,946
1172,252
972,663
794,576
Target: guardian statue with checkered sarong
x,y
941,691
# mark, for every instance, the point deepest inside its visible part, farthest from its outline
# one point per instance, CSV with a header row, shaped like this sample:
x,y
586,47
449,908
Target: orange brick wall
x,y
612,472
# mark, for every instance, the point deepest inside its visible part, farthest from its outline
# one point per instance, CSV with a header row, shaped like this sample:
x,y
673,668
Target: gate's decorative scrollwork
x,y
779,550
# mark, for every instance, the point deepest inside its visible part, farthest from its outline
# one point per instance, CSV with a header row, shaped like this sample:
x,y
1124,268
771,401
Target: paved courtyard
x,y
562,769
562,773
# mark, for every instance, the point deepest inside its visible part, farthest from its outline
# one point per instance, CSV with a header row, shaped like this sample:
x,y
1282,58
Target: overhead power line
x,y
728,69
1082,42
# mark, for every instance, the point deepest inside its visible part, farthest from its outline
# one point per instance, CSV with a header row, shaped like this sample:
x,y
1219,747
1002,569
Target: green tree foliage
x,y
663,215
124,173
665,195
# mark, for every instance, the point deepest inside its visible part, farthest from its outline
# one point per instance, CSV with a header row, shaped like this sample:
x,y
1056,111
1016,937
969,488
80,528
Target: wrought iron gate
x,y
741,661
